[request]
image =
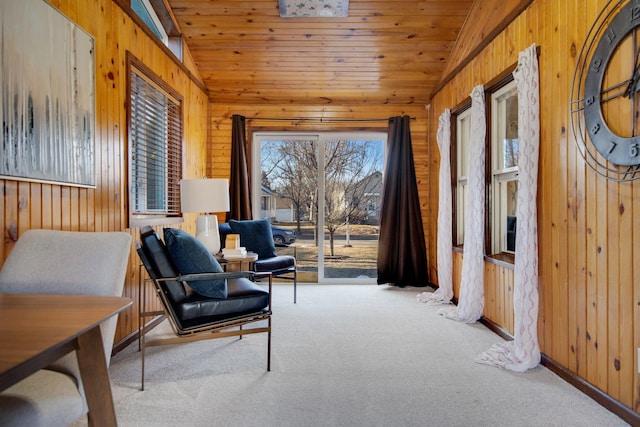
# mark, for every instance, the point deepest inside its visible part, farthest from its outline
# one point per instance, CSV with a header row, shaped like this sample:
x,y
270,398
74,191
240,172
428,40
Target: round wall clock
x,y
605,96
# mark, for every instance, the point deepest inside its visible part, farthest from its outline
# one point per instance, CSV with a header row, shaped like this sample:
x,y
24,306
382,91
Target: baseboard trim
x,y
623,411
495,328
123,343
606,401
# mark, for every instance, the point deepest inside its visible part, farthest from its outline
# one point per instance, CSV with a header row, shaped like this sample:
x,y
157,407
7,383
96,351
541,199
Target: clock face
x,y
606,93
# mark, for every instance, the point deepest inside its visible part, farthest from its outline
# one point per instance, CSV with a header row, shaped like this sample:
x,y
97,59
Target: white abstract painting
x,y
47,95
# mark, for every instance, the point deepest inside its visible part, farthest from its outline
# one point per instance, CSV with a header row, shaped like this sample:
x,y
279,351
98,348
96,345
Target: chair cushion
x,y
256,236
243,297
190,256
275,264
45,398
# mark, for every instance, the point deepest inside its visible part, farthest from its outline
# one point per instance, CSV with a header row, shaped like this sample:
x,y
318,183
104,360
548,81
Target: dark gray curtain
x,y
239,185
402,256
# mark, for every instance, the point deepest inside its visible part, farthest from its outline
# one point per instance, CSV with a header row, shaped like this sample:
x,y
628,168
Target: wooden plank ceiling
x,y
384,52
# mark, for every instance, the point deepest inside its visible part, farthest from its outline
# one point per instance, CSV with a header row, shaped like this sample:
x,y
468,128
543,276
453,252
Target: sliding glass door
x,y
298,175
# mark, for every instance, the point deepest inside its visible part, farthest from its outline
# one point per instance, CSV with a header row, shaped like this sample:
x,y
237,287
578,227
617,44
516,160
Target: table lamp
x,y
205,196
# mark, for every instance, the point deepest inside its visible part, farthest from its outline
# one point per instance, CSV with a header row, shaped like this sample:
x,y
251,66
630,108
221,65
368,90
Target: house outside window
x,y
155,149
504,168
267,203
372,206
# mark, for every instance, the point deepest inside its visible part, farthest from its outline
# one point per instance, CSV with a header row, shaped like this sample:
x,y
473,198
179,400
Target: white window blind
x,y
155,149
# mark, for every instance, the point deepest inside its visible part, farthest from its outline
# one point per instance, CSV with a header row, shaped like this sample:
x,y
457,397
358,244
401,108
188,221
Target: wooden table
x,y
36,330
244,263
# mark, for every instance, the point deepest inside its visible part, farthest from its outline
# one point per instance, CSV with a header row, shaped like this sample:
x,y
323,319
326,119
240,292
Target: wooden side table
x,y
244,263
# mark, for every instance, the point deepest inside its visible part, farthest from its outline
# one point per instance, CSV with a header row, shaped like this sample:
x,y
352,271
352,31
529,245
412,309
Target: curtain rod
x,y
317,119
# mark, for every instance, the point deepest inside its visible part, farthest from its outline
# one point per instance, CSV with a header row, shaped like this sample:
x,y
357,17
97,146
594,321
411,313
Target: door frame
x,y
320,137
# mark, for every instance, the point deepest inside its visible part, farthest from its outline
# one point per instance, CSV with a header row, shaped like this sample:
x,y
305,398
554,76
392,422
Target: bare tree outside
x,y
349,166
292,170
353,169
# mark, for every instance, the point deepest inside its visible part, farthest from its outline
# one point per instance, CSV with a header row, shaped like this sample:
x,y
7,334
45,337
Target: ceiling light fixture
x,y
313,8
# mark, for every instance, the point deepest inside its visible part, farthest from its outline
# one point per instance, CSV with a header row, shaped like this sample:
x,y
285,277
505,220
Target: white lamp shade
x,y
204,195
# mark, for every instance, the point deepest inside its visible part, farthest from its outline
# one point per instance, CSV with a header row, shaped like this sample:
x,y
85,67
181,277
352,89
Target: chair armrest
x,y
262,274
210,276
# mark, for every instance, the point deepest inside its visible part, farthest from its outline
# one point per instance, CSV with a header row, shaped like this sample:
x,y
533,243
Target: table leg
x,y
95,378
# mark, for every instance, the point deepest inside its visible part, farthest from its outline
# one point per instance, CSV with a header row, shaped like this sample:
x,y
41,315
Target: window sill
x,y
502,259
140,221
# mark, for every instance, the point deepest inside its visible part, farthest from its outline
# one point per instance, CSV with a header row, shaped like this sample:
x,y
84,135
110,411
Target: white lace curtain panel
x,y
523,352
471,298
444,293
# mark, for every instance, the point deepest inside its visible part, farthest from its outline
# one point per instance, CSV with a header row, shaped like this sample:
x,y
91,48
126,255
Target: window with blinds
x,y
155,149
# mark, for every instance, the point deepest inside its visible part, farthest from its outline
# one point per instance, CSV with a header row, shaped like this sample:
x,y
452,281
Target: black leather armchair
x,y
194,316
256,236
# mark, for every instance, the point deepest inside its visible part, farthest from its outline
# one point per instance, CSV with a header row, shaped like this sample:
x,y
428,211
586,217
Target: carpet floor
x,y
345,355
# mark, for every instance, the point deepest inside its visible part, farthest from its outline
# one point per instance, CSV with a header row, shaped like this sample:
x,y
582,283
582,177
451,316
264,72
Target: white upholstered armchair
x,y
61,262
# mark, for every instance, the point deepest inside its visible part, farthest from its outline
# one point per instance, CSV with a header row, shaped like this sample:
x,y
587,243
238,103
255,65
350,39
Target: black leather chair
x,y
193,316
256,236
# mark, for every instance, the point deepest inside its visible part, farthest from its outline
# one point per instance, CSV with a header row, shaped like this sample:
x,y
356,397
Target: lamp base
x,y
207,232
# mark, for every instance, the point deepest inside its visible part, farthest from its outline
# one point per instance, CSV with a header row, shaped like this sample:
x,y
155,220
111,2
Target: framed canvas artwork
x,y
47,96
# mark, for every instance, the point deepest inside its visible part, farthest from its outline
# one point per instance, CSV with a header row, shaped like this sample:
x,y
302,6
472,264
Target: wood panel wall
x,y
498,292
589,319
26,205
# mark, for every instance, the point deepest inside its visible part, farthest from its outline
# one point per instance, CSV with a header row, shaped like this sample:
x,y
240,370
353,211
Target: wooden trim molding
x,y
606,401
125,5
484,43
135,335
496,329
624,412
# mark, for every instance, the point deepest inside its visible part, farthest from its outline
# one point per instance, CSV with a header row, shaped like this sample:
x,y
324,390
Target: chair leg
x,y
142,370
269,347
